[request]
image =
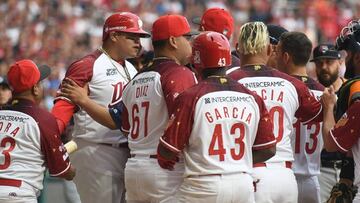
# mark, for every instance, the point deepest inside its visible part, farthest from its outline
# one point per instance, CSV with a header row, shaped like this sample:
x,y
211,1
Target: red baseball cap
x,y
24,74
218,20
170,25
124,22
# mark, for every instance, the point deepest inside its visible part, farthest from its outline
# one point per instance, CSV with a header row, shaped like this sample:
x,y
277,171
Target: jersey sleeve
x,y
173,85
125,125
265,137
55,154
177,134
80,72
347,130
310,108
116,113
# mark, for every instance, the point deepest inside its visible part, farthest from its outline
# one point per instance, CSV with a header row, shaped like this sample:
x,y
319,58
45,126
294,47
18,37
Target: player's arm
x,y
63,110
55,154
264,146
175,83
79,96
310,109
328,101
176,135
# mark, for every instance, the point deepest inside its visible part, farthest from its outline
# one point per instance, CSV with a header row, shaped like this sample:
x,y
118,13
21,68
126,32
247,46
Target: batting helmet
x,y
211,50
124,22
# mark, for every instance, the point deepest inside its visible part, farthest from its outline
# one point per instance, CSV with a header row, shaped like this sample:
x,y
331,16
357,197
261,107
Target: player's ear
x,y
286,57
112,36
35,90
269,49
173,42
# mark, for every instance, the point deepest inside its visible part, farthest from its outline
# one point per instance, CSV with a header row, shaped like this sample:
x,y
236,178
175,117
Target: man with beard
x,y
327,62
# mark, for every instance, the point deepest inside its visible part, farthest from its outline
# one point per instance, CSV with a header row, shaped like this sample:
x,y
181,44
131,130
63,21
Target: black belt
x,y
117,145
152,156
331,164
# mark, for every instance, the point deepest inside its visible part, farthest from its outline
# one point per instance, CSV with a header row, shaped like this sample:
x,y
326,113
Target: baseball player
x,y
5,91
306,139
29,138
102,152
327,64
146,105
220,126
286,98
343,136
218,20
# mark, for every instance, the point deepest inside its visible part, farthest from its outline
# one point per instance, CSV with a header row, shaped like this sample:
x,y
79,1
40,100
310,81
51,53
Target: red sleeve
x,y
55,154
175,83
265,137
310,108
179,128
346,132
125,125
80,72
63,111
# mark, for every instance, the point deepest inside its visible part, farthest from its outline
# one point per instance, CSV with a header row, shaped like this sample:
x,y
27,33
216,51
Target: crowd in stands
x,y
56,32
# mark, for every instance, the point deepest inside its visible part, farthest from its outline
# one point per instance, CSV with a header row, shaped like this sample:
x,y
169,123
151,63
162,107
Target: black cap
x,y
275,31
325,51
4,81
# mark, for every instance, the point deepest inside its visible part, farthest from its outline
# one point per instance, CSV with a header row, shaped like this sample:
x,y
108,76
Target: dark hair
x,y
298,45
158,44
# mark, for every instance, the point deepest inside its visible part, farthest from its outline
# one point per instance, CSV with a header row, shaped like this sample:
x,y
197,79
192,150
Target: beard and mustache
x,y
327,81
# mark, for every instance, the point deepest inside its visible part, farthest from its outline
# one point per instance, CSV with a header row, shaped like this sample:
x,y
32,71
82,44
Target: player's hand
x,y
165,163
74,92
328,99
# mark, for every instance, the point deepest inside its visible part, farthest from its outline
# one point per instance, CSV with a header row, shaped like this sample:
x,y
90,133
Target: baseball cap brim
x,y
44,71
324,57
196,20
192,33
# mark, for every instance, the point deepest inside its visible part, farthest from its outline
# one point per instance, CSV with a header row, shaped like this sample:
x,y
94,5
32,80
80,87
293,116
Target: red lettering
x,y
226,113
263,92
235,112
248,119
217,114
281,97
118,89
242,113
14,132
208,117
7,127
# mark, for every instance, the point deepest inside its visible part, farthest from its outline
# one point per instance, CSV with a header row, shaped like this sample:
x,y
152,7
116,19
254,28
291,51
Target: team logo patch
x,y
324,48
344,119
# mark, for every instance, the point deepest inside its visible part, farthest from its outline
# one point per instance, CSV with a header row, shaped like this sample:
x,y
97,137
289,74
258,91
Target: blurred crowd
x,y
56,32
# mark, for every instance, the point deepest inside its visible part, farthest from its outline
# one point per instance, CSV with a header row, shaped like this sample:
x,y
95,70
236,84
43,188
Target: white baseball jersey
x,y
285,97
148,99
107,79
217,124
307,139
29,142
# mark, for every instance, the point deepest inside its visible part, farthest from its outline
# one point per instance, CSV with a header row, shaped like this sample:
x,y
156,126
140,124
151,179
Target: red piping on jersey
x,y
10,182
